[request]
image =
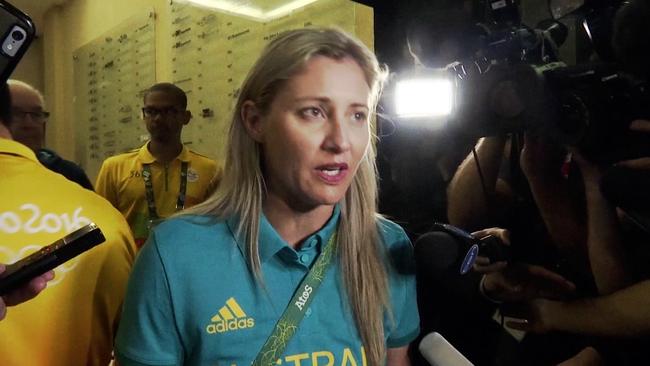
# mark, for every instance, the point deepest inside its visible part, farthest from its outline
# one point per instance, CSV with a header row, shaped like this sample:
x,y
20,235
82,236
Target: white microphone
x,y
438,352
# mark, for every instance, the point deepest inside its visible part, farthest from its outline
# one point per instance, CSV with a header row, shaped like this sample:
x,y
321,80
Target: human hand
x,y
590,171
523,282
534,316
22,294
482,264
638,125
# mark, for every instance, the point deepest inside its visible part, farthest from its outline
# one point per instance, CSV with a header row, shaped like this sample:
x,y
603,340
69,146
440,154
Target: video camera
x,y
513,80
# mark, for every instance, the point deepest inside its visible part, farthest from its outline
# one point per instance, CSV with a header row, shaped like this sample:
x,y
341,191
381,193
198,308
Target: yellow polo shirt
x,y
74,320
120,182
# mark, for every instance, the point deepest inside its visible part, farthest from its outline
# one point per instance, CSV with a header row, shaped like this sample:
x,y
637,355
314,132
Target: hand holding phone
x,y
49,257
24,293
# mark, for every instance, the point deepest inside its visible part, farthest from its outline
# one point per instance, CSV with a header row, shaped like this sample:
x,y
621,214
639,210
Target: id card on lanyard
x,y
151,203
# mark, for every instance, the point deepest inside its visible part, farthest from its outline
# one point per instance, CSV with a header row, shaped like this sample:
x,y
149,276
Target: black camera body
x,y
592,107
515,82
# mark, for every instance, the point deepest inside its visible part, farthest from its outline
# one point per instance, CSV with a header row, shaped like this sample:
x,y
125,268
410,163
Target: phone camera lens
x,y
17,35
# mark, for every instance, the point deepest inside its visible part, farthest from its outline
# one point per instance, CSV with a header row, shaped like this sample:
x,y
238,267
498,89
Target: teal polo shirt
x,y
191,299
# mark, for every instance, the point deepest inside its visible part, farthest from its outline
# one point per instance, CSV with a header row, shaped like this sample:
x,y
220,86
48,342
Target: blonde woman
x,y
288,262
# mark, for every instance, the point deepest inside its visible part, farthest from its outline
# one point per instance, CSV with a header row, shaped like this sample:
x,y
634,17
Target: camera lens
x,y
17,35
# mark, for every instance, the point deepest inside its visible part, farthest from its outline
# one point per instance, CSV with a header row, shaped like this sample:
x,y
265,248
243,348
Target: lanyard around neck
x,y
148,186
287,325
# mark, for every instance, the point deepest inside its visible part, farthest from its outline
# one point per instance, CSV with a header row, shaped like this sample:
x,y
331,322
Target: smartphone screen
x,y
16,34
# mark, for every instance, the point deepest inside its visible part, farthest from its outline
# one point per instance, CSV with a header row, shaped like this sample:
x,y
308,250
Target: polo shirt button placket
x,y
304,258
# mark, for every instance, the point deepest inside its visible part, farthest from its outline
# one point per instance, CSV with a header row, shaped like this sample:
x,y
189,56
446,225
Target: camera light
x,y
424,97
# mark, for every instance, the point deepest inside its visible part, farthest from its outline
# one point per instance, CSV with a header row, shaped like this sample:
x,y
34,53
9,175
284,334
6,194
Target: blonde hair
x,y
242,190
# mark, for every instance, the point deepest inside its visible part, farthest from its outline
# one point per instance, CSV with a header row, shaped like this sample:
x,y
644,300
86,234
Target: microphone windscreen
x,y
436,251
438,352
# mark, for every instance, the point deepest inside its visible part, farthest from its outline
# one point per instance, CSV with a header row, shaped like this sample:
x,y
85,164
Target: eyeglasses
x,y
149,112
38,116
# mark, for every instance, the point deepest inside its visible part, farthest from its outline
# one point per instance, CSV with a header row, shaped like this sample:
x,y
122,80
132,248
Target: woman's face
x,y
316,133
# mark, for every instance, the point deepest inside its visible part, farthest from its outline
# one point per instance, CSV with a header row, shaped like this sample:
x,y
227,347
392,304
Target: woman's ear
x,y
253,121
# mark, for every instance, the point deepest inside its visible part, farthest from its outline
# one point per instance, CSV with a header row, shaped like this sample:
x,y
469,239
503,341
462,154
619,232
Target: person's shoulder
x,y
184,236
51,189
202,159
70,206
122,158
397,244
114,225
189,220
96,204
119,164
92,207
190,226
390,231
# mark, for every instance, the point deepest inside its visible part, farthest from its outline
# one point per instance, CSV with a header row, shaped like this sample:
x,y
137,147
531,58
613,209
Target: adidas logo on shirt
x,y
230,317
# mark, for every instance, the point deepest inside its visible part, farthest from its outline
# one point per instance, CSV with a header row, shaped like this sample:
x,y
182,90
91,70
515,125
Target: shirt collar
x,y
145,156
16,148
270,242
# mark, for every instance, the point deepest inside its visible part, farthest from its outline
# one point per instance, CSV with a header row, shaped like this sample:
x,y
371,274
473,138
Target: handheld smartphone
x,y
49,257
17,32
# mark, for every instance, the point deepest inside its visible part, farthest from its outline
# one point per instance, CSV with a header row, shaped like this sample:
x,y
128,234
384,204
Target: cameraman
x,y
453,303
605,255
620,312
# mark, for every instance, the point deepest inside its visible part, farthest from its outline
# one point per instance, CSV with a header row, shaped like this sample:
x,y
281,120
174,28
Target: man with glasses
x,y
163,176
29,116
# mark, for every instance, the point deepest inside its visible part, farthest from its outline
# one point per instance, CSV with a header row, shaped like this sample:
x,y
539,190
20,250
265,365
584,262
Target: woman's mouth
x,y
333,173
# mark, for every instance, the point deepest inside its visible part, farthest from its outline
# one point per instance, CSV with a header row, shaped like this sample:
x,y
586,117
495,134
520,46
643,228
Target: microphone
x,y
450,248
438,352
